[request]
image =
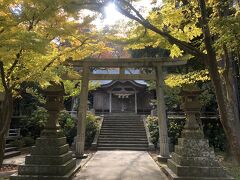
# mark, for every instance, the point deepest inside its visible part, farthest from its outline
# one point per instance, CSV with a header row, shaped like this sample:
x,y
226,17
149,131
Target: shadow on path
x,y
121,165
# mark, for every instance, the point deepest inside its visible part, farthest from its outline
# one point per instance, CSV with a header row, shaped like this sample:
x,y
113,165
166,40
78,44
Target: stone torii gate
x,y
156,64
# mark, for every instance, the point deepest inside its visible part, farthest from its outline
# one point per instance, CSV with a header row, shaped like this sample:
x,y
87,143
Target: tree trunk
x,y
2,148
229,115
229,156
5,120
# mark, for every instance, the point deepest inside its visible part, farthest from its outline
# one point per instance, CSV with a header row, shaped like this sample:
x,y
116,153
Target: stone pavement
x,y
121,165
15,160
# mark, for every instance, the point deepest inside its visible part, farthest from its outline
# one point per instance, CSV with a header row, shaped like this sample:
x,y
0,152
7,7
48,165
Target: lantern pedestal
x,y
50,158
193,158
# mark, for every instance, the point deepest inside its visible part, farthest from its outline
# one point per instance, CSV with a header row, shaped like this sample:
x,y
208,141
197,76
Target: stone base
x,y
194,159
172,176
50,159
163,159
31,177
82,156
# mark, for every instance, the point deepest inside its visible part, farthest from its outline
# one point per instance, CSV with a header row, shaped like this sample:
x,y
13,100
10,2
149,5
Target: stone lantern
x,y
50,158
54,104
191,106
193,158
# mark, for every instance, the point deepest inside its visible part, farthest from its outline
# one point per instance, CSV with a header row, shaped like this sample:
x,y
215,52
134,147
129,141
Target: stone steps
x,y
119,126
124,144
11,154
122,132
122,139
123,124
11,151
122,136
115,134
112,141
124,148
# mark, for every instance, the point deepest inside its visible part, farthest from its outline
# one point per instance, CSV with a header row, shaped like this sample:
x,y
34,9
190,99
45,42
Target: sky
x,y
112,16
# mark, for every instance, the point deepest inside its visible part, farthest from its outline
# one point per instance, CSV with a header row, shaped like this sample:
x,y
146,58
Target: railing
x,y
203,115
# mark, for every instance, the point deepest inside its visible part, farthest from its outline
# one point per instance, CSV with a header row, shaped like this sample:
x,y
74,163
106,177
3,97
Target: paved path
x,y
121,165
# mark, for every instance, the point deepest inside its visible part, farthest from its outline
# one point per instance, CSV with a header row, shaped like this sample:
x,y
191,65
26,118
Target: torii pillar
x,y
82,113
162,118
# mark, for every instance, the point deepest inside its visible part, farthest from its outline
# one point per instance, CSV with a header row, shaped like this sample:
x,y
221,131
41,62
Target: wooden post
x,y
82,112
162,118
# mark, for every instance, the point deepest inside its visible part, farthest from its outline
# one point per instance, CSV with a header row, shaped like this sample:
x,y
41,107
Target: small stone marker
x,y
193,158
50,158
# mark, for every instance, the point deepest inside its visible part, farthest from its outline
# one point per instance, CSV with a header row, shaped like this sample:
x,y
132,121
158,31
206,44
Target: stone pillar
x,y
110,101
50,158
135,101
122,70
193,158
162,118
82,112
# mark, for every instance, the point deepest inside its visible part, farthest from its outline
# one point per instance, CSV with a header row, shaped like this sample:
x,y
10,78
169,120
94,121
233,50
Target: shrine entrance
x,y
148,68
123,100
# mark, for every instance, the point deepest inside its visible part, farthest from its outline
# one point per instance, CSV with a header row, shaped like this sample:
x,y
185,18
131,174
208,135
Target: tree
x,y
208,30
36,38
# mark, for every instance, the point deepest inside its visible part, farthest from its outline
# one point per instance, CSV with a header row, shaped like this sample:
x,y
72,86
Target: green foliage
x,y
38,36
23,142
73,87
28,141
172,98
207,98
18,143
34,124
153,129
174,129
213,131
67,123
91,128
187,79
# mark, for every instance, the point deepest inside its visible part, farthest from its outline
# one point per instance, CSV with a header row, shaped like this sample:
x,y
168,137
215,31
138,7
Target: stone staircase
x,y
122,132
11,151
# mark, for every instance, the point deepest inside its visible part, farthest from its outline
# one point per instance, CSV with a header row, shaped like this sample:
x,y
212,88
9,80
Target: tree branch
x,y
172,40
134,9
11,69
3,77
55,58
